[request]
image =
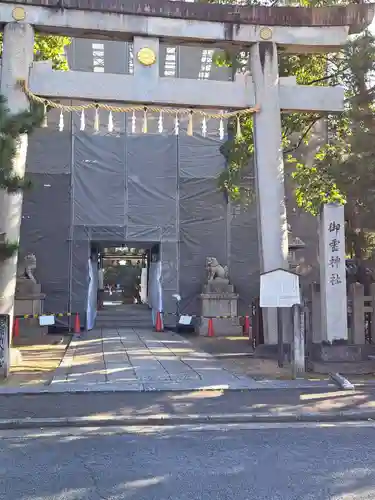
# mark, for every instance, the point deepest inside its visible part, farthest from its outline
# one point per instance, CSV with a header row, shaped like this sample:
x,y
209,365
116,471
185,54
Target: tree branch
x,y
307,130
327,77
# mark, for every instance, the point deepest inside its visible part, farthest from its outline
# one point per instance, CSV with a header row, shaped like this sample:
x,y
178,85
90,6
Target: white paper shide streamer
x,y
160,122
45,117
145,124
144,117
96,120
204,127
110,122
82,121
221,129
61,121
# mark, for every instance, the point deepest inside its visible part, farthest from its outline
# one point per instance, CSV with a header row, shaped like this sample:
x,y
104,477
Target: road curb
x,y
192,419
141,387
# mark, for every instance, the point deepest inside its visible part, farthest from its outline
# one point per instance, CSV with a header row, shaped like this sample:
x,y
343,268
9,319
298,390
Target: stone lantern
x,y
294,244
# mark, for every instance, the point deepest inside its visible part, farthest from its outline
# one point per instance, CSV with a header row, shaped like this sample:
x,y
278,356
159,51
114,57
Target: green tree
x,y
296,127
49,48
343,170
52,48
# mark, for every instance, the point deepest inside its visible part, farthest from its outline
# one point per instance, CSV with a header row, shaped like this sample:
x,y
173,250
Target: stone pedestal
x,y
342,358
218,299
28,299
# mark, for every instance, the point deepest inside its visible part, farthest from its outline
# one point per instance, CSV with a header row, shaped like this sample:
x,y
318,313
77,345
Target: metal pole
x,y
4,345
298,365
280,340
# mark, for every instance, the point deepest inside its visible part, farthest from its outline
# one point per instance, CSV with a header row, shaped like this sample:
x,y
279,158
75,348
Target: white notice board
x,y
279,288
47,320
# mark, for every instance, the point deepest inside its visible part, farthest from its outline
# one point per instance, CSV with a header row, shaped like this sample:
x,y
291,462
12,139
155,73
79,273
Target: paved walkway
x,y
142,360
128,359
139,360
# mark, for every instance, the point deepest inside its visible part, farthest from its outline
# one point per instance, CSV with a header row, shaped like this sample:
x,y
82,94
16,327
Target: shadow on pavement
x,y
183,403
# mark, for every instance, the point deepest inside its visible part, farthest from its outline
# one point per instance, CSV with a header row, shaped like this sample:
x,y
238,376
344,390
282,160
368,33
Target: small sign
x,y
279,288
185,320
46,320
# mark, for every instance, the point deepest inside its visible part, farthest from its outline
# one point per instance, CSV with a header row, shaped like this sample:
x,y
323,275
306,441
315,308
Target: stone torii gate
x,y
261,30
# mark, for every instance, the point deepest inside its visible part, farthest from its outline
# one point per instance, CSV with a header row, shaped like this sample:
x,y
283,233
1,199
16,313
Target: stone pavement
x,y
131,359
142,360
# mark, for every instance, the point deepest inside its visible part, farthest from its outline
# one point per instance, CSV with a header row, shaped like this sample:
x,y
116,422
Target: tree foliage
x,y
49,48
344,167
296,127
343,170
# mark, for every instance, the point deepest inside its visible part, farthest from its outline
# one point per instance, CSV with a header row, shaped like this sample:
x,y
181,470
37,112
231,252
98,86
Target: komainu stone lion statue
x,y
27,267
215,270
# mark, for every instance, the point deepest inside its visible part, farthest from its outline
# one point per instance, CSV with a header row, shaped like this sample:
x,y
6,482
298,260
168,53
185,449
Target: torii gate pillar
x,y
269,164
18,45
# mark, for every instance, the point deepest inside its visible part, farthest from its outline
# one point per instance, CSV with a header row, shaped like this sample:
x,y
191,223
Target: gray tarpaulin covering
x,y
125,187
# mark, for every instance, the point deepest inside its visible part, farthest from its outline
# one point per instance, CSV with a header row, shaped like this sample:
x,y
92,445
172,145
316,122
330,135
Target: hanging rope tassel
x,y
176,125
96,120
133,122
45,119
144,125
160,123
83,121
190,124
110,122
61,122
238,130
204,127
221,129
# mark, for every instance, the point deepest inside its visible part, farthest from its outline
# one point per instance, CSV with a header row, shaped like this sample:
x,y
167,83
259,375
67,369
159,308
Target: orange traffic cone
x,y
77,325
210,328
16,327
246,326
159,323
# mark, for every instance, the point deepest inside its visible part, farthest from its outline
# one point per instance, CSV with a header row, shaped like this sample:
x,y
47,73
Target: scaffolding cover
x,y
127,187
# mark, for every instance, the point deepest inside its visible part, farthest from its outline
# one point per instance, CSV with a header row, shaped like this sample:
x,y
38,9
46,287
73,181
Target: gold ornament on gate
x,y
18,13
146,56
266,33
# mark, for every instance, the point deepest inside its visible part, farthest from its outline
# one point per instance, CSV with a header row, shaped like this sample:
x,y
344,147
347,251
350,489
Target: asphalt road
x,y
244,462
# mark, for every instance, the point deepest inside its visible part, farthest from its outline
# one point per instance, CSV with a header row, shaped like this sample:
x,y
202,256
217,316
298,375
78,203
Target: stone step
x,y
103,312
132,316
124,318
123,322
131,324
129,318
